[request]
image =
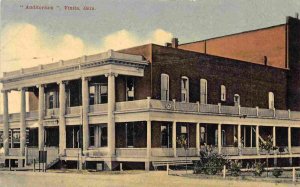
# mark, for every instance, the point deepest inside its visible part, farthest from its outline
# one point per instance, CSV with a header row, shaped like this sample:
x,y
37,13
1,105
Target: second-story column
x,y
85,110
62,120
23,122
110,113
41,116
5,123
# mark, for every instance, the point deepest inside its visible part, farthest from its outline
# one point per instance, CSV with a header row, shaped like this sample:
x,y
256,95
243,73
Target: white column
x,y
290,139
239,136
62,120
85,110
174,138
110,113
148,138
219,138
198,138
41,116
23,123
257,139
5,123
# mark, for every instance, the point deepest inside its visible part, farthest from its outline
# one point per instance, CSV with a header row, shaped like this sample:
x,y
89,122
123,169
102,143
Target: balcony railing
x,y
98,108
131,152
152,104
249,151
296,150
73,110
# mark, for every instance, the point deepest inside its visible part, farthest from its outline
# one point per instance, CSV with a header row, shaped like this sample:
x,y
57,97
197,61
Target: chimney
x,y
265,60
297,15
174,42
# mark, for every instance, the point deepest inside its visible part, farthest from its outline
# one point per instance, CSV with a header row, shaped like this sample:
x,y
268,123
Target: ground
x,y
131,178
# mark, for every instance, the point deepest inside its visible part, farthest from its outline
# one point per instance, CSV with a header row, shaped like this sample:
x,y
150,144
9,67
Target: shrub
x,y
210,163
235,168
277,172
259,168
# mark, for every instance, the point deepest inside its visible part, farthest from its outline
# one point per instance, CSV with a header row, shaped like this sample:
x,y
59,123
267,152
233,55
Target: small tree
x,y
258,168
210,163
268,146
182,142
235,168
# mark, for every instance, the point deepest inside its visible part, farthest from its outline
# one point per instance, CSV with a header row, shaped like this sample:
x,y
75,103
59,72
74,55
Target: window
x,y
203,91
166,135
130,134
271,100
236,99
129,88
98,136
164,87
223,93
92,135
98,93
184,89
52,99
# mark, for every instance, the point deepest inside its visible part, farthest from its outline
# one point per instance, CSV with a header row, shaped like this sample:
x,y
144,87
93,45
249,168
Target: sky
x,y
33,36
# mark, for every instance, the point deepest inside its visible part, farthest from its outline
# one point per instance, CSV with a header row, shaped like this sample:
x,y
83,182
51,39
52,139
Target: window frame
x,y
223,93
203,93
165,77
185,89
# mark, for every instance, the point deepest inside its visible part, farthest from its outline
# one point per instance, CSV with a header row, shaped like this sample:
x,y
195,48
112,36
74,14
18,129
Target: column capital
x,y
62,82
23,89
111,74
86,78
41,85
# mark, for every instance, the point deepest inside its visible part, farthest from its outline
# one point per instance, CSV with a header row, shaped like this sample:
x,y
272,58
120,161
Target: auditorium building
x,y
130,106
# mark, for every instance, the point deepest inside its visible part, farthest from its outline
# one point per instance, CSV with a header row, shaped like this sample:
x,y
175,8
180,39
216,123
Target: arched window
x,y
223,93
236,100
203,91
184,89
271,100
164,86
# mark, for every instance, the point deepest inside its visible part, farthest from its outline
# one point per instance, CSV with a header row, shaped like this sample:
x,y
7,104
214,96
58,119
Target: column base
x,y
147,166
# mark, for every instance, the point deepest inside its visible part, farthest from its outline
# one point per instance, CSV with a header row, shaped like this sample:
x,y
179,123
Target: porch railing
x,y
189,152
162,152
296,149
248,151
97,152
32,114
230,151
52,112
131,152
73,152
14,151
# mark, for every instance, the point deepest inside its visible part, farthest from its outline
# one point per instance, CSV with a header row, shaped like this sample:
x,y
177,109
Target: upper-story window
x,y
271,100
203,91
129,88
164,87
223,93
236,100
98,93
52,99
184,89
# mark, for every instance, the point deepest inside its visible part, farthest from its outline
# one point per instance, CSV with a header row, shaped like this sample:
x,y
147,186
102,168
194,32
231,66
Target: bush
x,y
235,168
210,163
277,172
259,168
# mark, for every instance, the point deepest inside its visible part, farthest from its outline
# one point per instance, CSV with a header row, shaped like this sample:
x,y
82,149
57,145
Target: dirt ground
x,y
128,178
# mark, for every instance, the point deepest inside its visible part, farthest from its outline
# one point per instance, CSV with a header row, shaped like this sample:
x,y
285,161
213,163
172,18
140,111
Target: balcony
x,y
230,151
249,151
189,152
162,152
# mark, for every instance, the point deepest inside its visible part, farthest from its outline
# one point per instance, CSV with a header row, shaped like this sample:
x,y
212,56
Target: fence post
x,y
9,164
224,172
219,108
294,174
121,166
167,169
34,165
